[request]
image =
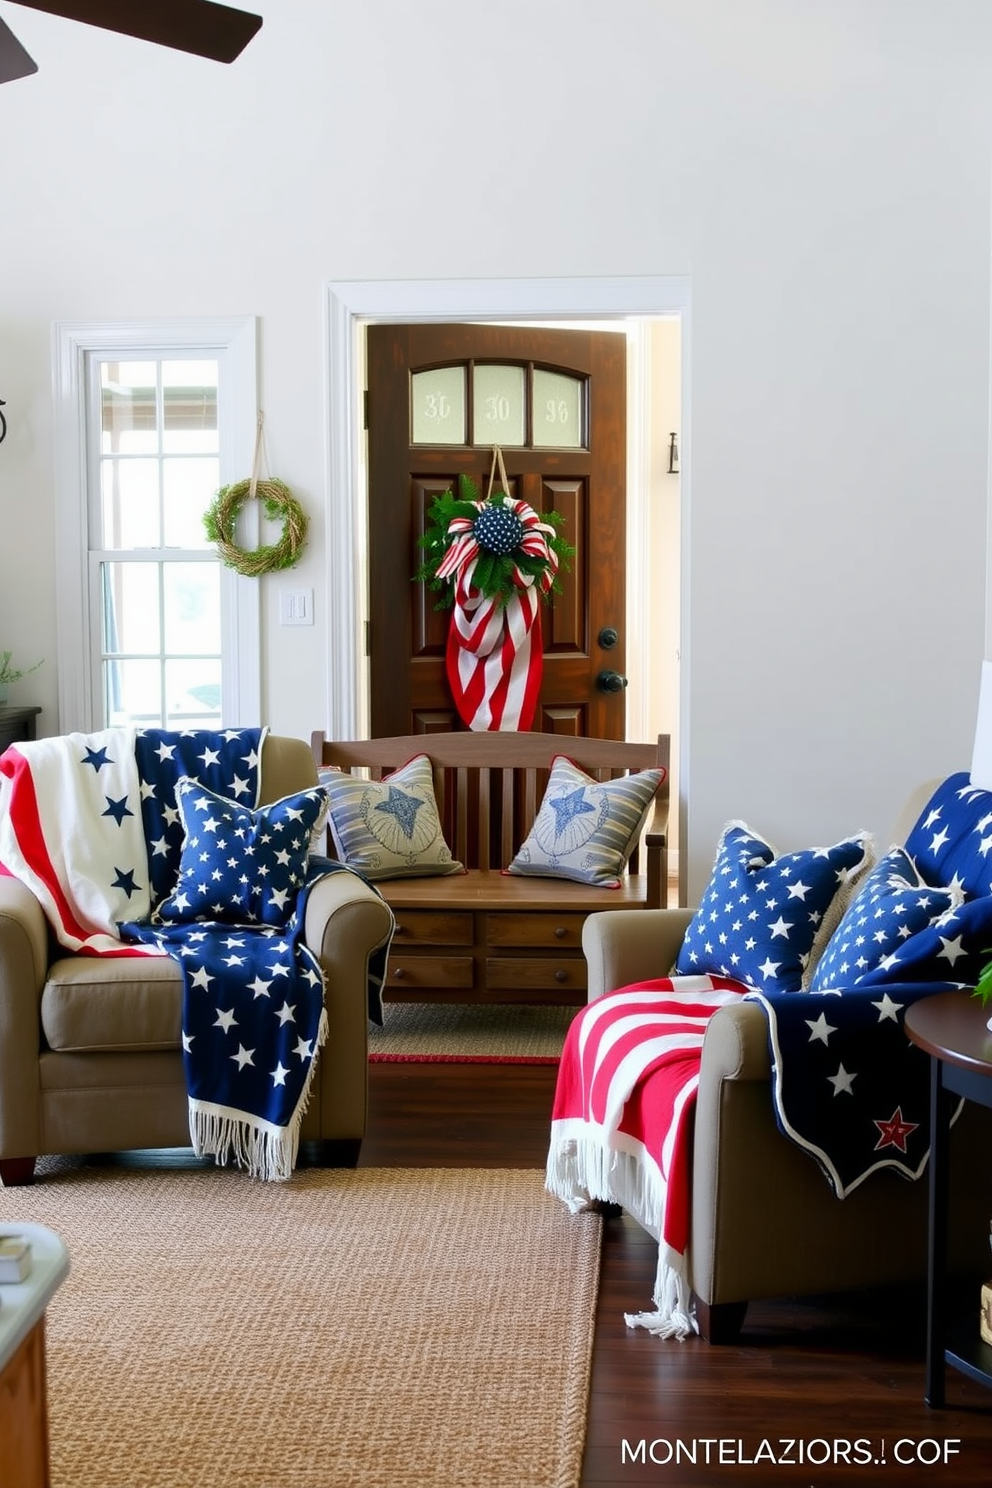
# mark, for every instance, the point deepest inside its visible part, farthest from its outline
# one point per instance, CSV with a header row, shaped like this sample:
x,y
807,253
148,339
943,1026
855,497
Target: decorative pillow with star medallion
x,y
765,918
898,928
240,866
389,828
586,829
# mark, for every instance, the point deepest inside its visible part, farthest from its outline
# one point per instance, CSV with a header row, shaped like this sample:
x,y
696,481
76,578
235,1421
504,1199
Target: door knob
x,y
611,682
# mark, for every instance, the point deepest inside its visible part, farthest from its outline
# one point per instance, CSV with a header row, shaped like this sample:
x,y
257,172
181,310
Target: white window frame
x,y
76,345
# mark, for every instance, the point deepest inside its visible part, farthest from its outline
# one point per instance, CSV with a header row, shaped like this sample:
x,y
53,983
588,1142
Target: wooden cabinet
x,y
486,954
16,724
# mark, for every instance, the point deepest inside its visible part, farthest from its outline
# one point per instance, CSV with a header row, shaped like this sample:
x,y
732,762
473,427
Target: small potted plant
x,y
9,674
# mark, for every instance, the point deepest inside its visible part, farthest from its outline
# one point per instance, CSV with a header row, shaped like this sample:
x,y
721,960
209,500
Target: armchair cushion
x,y
764,918
586,829
240,866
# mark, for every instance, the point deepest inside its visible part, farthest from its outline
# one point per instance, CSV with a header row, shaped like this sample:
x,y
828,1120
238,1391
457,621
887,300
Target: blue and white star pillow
x,y
586,829
765,918
240,866
898,928
227,762
951,845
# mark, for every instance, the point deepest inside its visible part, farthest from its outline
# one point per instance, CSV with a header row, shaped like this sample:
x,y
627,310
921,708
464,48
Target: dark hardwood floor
x,y
834,1386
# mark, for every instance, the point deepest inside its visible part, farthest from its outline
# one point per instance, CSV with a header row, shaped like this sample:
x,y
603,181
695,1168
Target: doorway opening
x,y
654,316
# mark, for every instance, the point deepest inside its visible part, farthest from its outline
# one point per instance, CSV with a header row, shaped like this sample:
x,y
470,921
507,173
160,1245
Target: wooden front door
x,y
439,398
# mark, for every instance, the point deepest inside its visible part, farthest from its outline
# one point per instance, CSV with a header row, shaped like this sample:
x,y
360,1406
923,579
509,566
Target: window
x,y
154,579
153,630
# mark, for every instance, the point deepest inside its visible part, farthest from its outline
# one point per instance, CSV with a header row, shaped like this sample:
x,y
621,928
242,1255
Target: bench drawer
x,y
430,971
433,927
535,928
503,973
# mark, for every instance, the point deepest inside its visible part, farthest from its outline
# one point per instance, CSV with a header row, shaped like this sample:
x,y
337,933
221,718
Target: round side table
x,y
951,1027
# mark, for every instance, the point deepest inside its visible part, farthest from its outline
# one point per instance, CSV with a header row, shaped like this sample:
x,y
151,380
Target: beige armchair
x,y
764,1219
90,1057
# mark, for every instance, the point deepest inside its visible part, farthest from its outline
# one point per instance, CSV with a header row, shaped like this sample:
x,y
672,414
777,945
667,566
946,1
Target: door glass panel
x,y
558,408
499,405
438,406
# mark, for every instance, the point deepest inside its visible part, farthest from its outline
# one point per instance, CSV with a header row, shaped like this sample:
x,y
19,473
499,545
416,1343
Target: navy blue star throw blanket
x,y
151,843
848,1085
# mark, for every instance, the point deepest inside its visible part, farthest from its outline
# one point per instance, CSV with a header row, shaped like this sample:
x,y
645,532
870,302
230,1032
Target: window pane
x,y
192,690
189,486
437,400
130,504
558,405
189,397
131,608
128,412
499,413
192,608
133,693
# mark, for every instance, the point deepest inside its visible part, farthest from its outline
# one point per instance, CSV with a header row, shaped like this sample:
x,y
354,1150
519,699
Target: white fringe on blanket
x,y
264,1150
583,1170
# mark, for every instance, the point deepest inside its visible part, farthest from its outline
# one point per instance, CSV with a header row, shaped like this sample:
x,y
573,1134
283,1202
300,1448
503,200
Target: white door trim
x,y
346,305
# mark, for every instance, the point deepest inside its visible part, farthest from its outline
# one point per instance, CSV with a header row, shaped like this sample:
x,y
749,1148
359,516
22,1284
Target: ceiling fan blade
x,y
197,26
14,60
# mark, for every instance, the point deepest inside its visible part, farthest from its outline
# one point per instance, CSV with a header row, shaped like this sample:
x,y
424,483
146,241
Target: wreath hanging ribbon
x,y
500,558
278,502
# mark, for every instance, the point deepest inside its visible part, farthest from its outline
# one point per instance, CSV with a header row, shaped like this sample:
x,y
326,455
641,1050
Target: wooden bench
x,y
488,936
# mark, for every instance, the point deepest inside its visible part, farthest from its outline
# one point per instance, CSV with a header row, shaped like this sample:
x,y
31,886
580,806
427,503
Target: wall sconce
x,y
3,422
673,454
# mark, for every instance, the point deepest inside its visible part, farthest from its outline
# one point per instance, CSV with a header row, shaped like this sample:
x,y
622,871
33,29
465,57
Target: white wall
x,y
820,168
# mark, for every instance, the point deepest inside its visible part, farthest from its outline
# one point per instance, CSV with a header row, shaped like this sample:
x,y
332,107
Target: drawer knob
x,y
398,973
560,932
561,976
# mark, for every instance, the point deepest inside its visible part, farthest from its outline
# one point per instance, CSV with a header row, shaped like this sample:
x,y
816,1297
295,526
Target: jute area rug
x,y
491,1033
372,1327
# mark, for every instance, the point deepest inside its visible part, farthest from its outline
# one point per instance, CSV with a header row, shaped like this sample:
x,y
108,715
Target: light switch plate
x,y
295,606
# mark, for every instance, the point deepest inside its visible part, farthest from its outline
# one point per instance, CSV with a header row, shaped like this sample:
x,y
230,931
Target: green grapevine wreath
x,y
280,504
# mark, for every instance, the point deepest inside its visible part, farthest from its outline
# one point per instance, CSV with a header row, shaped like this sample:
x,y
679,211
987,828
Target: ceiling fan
x,y
198,26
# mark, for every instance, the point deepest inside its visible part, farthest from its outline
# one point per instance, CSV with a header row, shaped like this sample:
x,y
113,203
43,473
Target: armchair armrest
x,y
23,935
346,921
735,1046
23,968
631,945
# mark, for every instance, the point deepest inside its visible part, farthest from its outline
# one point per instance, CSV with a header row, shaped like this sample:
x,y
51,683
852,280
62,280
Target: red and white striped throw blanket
x,y
620,1129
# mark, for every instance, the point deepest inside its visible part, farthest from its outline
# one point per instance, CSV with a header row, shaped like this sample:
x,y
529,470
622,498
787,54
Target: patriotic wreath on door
x,y
493,560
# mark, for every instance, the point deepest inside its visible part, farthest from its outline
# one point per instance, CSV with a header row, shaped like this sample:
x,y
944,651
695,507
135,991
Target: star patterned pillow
x,y
389,828
240,866
951,844
898,928
586,829
764,918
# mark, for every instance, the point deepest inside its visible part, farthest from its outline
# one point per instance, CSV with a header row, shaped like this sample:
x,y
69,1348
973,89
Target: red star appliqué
x,y
895,1131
